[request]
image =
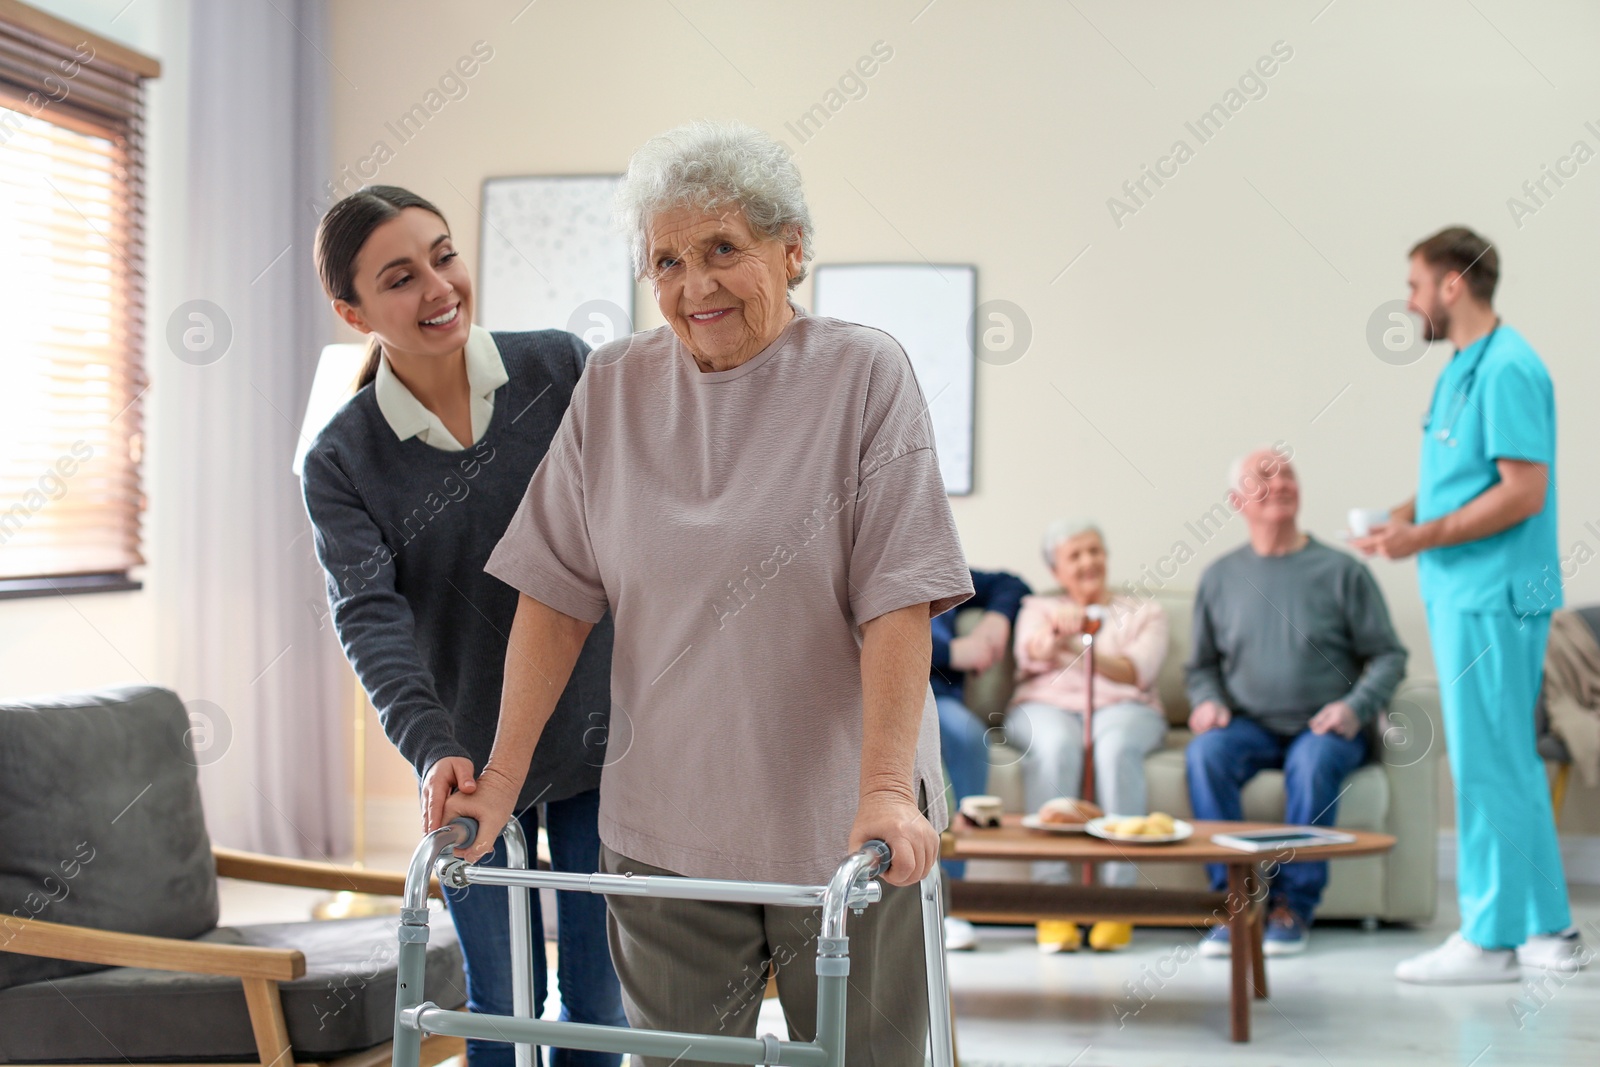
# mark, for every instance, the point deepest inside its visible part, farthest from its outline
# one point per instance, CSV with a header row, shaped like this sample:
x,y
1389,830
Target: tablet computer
x,y
1281,837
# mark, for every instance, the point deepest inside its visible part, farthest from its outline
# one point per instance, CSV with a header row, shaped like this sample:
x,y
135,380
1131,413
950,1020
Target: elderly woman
x,y
1046,716
753,493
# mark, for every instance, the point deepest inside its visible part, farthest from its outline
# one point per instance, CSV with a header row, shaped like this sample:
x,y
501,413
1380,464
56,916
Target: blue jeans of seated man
x,y
963,742
482,916
1222,760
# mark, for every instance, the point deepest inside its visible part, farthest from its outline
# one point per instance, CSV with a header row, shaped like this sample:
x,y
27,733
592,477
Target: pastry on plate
x,y
1156,824
1068,811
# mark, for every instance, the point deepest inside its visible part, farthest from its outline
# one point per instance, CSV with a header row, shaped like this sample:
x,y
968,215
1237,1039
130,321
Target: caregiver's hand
x,y
913,844
446,776
491,803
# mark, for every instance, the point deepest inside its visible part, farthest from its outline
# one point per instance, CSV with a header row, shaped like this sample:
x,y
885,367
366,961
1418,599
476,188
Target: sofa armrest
x,y
1408,739
111,948
309,874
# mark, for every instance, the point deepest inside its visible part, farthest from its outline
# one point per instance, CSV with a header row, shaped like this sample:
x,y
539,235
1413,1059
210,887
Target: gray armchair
x,y
109,946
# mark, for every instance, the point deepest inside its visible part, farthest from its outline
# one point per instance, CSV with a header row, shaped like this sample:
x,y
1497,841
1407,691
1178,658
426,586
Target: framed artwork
x,y
929,310
550,258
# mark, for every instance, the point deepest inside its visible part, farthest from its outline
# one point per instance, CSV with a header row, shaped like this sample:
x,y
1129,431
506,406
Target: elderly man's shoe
x,y
959,935
1460,962
1286,935
1056,936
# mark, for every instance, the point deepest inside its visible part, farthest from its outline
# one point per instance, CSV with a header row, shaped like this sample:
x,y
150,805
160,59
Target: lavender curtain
x,y
247,641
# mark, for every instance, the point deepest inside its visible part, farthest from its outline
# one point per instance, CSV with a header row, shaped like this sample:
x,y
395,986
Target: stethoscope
x,y
1446,433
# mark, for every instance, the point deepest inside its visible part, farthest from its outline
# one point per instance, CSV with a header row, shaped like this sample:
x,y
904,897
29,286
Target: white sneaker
x,y
1460,962
959,935
1563,952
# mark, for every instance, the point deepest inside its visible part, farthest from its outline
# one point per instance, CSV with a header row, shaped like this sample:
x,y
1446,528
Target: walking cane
x,y
1093,615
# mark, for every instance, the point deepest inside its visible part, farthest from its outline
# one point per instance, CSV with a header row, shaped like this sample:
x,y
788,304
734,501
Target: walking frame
x,y
851,887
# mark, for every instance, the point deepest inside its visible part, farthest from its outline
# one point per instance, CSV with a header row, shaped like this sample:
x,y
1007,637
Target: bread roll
x,y
1068,811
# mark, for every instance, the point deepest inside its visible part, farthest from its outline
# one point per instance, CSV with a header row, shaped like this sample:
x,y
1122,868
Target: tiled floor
x,y
1336,1005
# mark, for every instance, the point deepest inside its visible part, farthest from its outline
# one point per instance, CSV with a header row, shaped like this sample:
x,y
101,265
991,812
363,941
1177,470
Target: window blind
x,y
71,260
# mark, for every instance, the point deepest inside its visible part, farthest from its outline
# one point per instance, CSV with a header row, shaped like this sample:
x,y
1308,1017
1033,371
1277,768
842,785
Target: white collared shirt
x,y
408,417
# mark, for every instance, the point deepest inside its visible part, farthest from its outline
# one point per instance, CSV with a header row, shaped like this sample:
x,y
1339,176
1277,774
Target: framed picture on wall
x,y
928,309
549,257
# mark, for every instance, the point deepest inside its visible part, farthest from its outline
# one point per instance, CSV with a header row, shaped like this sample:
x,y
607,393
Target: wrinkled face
x,y
412,287
722,289
1269,491
1427,301
1081,567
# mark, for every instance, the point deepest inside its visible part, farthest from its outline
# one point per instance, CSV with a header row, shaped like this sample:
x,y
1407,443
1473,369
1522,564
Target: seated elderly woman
x,y
753,493
1046,716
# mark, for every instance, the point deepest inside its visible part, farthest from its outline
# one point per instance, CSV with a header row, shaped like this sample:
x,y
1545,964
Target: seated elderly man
x,y
963,737
1293,656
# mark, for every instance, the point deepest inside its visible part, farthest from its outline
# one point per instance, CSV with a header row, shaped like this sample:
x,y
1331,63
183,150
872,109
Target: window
x,y
71,265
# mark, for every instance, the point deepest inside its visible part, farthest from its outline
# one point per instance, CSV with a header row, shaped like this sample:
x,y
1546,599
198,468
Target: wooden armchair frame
x,y
260,969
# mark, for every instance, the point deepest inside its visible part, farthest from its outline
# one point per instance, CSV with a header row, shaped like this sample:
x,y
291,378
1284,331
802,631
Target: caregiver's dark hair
x,y
340,236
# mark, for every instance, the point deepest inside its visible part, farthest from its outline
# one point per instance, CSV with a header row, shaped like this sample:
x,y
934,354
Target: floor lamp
x,y
333,384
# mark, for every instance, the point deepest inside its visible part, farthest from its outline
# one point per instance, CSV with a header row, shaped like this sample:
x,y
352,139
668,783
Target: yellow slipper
x,y
1108,936
1056,936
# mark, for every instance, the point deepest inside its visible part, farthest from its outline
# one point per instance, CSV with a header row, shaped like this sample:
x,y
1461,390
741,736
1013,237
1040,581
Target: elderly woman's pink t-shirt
x,y
740,525
1134,628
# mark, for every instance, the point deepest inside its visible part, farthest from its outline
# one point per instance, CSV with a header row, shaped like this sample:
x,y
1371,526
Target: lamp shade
x,y
337,368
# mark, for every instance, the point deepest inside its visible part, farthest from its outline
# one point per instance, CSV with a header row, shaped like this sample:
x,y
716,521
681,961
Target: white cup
x,y
982,810
1362,520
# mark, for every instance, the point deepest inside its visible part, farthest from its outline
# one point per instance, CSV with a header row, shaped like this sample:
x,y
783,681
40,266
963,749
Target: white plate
x,y
1032,822
1181,831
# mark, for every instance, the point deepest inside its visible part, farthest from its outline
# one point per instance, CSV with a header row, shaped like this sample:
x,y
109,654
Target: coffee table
x,y
1242,907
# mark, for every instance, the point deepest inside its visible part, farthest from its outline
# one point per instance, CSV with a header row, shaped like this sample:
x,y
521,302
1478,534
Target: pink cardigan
x,y
1135,628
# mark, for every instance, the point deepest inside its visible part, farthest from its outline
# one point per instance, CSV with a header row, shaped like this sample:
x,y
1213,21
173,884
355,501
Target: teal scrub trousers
x,y
1508,861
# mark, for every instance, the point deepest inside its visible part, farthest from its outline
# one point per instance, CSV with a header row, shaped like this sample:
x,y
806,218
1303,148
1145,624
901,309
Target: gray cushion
x,y
345,1002
101,819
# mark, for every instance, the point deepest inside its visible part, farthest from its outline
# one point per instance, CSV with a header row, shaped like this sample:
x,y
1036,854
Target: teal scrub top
x,y
1494,400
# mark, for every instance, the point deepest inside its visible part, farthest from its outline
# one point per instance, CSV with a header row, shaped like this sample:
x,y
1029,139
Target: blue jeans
x,y
482,916
1314,767
963,742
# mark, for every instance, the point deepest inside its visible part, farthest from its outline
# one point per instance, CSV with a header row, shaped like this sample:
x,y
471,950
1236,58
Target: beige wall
x,y
1230,309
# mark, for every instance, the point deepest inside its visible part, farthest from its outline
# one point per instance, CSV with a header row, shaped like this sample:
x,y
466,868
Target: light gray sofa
x,y
1396,792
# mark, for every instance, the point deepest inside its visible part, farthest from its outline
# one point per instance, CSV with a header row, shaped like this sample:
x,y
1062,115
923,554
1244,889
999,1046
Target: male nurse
x,y
1483,528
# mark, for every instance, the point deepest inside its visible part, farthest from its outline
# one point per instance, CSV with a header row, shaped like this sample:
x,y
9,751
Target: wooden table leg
x,y
1258,924
1239,934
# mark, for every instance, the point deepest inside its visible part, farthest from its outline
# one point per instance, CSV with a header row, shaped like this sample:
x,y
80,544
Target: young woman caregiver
x,y
409,488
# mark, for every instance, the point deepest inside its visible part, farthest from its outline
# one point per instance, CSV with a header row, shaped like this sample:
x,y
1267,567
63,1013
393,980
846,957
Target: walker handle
x,y
468,827
882,857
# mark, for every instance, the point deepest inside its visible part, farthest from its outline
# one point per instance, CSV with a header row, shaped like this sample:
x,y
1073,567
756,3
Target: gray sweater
x,y
403,531
1278,637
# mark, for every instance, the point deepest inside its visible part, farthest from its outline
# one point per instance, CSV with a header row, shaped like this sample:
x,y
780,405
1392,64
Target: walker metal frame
x,y
850,888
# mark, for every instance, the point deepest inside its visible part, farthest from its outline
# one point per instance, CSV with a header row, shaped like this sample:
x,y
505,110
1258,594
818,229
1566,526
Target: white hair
x,y
710,164
1236,470
1063,530
1239,470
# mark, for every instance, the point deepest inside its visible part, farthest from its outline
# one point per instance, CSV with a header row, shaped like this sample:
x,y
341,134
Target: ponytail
x,y
369,366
